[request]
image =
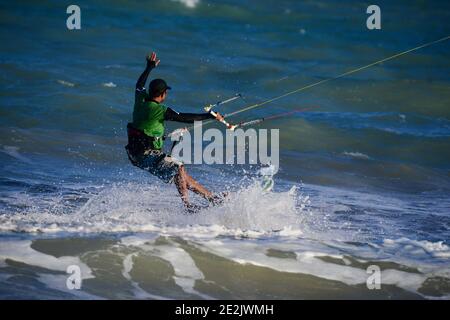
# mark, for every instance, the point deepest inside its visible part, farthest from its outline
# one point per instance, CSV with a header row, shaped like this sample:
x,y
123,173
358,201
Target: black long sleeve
x,y
140,84
171,115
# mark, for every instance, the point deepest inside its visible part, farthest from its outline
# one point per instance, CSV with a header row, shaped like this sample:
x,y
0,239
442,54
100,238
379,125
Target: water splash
x,y
138,208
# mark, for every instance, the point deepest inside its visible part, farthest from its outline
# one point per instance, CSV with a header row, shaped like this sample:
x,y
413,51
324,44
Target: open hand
x,y
152,60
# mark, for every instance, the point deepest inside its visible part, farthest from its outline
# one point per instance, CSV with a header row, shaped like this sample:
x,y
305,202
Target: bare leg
x,y
196,187
180,182
185,182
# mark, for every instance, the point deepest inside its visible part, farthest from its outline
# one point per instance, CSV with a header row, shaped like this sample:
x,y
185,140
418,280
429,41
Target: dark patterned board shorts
x,y
159,164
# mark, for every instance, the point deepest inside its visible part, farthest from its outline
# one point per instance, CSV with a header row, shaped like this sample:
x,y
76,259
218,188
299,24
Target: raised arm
x,y
152,63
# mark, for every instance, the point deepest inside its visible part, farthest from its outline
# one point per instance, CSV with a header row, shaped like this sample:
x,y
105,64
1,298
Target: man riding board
x,y
146,136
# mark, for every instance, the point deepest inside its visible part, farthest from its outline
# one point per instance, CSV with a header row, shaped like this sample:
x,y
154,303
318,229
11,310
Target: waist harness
x,y
138,142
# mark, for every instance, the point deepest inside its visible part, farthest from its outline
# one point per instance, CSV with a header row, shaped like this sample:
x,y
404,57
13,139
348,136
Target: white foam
x,y
130,207
109,85
356,155
308,262
419,248
139,293
66,83
189,3
277,220
21,251
185,269
186,272
290,232
406,280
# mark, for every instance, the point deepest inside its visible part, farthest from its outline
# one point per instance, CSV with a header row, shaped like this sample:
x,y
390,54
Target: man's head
x,y
157,90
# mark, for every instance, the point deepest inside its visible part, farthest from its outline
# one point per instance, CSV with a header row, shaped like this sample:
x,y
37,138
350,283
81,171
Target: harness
x,y
139,143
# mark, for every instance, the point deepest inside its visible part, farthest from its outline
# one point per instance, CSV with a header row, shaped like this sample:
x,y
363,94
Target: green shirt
x,y
148,116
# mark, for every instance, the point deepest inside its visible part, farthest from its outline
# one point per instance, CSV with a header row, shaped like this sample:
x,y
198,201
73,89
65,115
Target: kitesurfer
x,y
146,136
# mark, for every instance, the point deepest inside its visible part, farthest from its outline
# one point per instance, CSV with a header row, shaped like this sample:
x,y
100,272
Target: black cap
x,y
157,87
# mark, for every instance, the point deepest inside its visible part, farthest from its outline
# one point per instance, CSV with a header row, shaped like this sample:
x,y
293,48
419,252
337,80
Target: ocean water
x,y
364,179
